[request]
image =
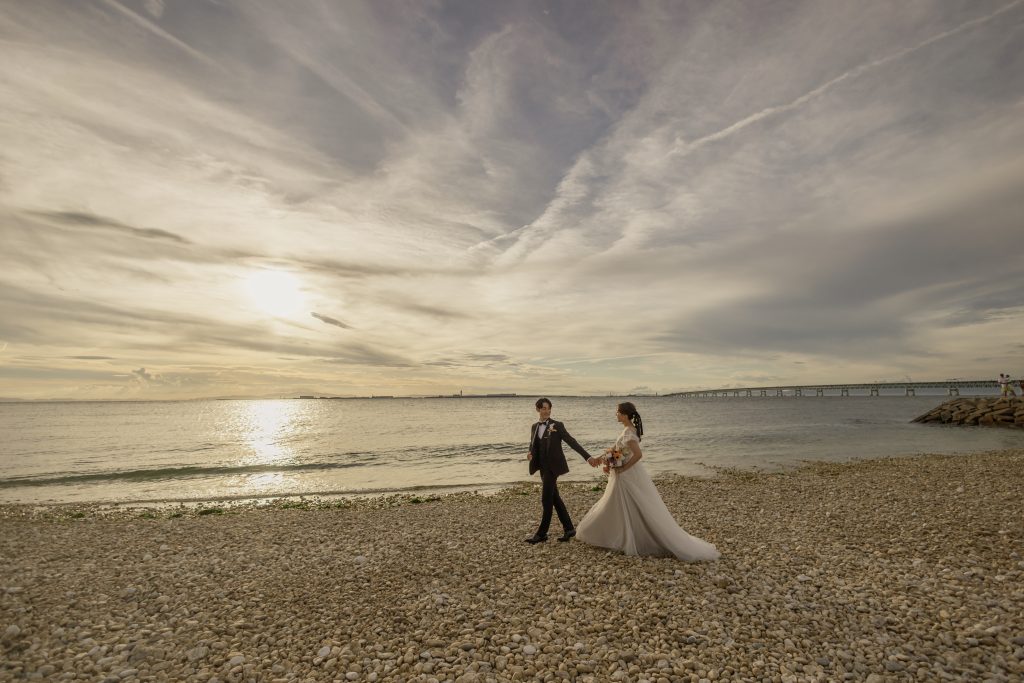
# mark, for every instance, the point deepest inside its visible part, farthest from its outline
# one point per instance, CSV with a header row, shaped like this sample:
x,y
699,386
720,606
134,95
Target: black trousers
x,y
550,499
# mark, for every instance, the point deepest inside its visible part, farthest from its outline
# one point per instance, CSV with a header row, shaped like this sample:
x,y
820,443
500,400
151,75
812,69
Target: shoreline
x,y
170,507
331,498
888,569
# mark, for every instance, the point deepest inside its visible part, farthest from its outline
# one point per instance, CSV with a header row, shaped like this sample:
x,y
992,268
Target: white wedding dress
x,y
632,518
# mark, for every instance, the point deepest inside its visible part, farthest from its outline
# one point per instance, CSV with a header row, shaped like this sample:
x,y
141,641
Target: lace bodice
x,y
627,442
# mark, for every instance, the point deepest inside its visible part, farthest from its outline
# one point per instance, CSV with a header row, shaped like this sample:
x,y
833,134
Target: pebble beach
x,y
901,569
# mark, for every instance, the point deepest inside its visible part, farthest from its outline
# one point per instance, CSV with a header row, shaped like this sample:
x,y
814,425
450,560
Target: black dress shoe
x,y
535,539
564,538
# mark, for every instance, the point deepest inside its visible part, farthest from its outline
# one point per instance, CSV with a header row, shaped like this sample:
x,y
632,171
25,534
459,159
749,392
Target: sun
x,y
275,292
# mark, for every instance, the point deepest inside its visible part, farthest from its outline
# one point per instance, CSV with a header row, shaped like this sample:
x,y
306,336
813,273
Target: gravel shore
x,y
880,570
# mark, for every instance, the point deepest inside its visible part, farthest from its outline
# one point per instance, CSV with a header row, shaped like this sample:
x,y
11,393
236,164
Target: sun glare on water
x,y
275,292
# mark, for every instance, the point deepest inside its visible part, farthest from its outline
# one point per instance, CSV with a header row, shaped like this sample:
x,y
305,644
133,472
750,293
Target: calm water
x,y
216,450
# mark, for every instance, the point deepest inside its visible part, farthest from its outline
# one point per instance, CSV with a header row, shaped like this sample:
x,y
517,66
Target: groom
x,y
546,437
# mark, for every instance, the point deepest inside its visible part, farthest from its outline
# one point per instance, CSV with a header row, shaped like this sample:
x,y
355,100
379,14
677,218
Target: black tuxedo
x,y
546,456
546,453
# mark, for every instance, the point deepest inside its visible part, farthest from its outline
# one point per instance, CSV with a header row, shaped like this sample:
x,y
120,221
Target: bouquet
x,y
615,458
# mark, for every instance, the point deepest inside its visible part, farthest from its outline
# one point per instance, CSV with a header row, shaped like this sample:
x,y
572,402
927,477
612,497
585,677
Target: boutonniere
x,y
552,428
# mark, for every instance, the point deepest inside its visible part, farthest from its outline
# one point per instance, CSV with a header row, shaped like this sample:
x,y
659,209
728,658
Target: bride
x,y
631,516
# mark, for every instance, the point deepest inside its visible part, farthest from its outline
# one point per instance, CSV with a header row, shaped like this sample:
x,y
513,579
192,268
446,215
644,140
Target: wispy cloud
x,y
508,196
90,220
156,7
684,147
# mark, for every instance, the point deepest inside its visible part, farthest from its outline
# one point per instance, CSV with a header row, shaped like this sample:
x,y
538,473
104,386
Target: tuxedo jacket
x,y
546,452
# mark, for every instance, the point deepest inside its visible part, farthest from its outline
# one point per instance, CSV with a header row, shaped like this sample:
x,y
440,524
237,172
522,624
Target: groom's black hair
x,y
542,401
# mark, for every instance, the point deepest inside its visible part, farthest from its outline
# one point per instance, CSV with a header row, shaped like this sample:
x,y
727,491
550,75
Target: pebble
x,y
877,554
197,653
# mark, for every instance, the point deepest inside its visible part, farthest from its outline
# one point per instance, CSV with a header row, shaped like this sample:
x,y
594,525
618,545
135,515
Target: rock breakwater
x,y
991,412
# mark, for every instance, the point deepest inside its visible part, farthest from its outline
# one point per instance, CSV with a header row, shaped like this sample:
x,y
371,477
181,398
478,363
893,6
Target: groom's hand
x,y
594,462
529,456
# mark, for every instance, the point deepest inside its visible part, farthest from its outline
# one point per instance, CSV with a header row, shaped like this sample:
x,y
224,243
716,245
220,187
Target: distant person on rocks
x,y
1005,388
546,456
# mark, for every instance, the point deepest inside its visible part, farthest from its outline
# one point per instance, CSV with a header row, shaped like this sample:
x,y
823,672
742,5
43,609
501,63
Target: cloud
x,y
155,7
488,356
866,288
331,321
477,360
87,219
144,376
426,309
568,197
684,147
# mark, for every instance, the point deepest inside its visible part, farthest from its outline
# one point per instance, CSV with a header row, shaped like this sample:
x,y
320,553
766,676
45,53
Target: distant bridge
x,y
952,388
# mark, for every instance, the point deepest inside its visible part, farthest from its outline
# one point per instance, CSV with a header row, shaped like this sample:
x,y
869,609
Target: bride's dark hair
x,y
629,410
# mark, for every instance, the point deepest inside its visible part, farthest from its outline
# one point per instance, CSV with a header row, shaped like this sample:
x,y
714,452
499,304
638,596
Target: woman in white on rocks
x,y
631,517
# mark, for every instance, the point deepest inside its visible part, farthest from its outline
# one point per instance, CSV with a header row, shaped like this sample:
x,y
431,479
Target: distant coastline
x,y
932,387
458,395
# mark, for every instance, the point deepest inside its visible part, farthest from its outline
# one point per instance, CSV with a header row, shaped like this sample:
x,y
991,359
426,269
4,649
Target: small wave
x,y
370,492
170,473
458,451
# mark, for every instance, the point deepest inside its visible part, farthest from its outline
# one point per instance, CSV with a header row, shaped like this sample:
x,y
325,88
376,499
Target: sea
x,y
190,452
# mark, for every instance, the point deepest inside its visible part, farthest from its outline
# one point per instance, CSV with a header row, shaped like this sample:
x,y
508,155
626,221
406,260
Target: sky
x,y
234,198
